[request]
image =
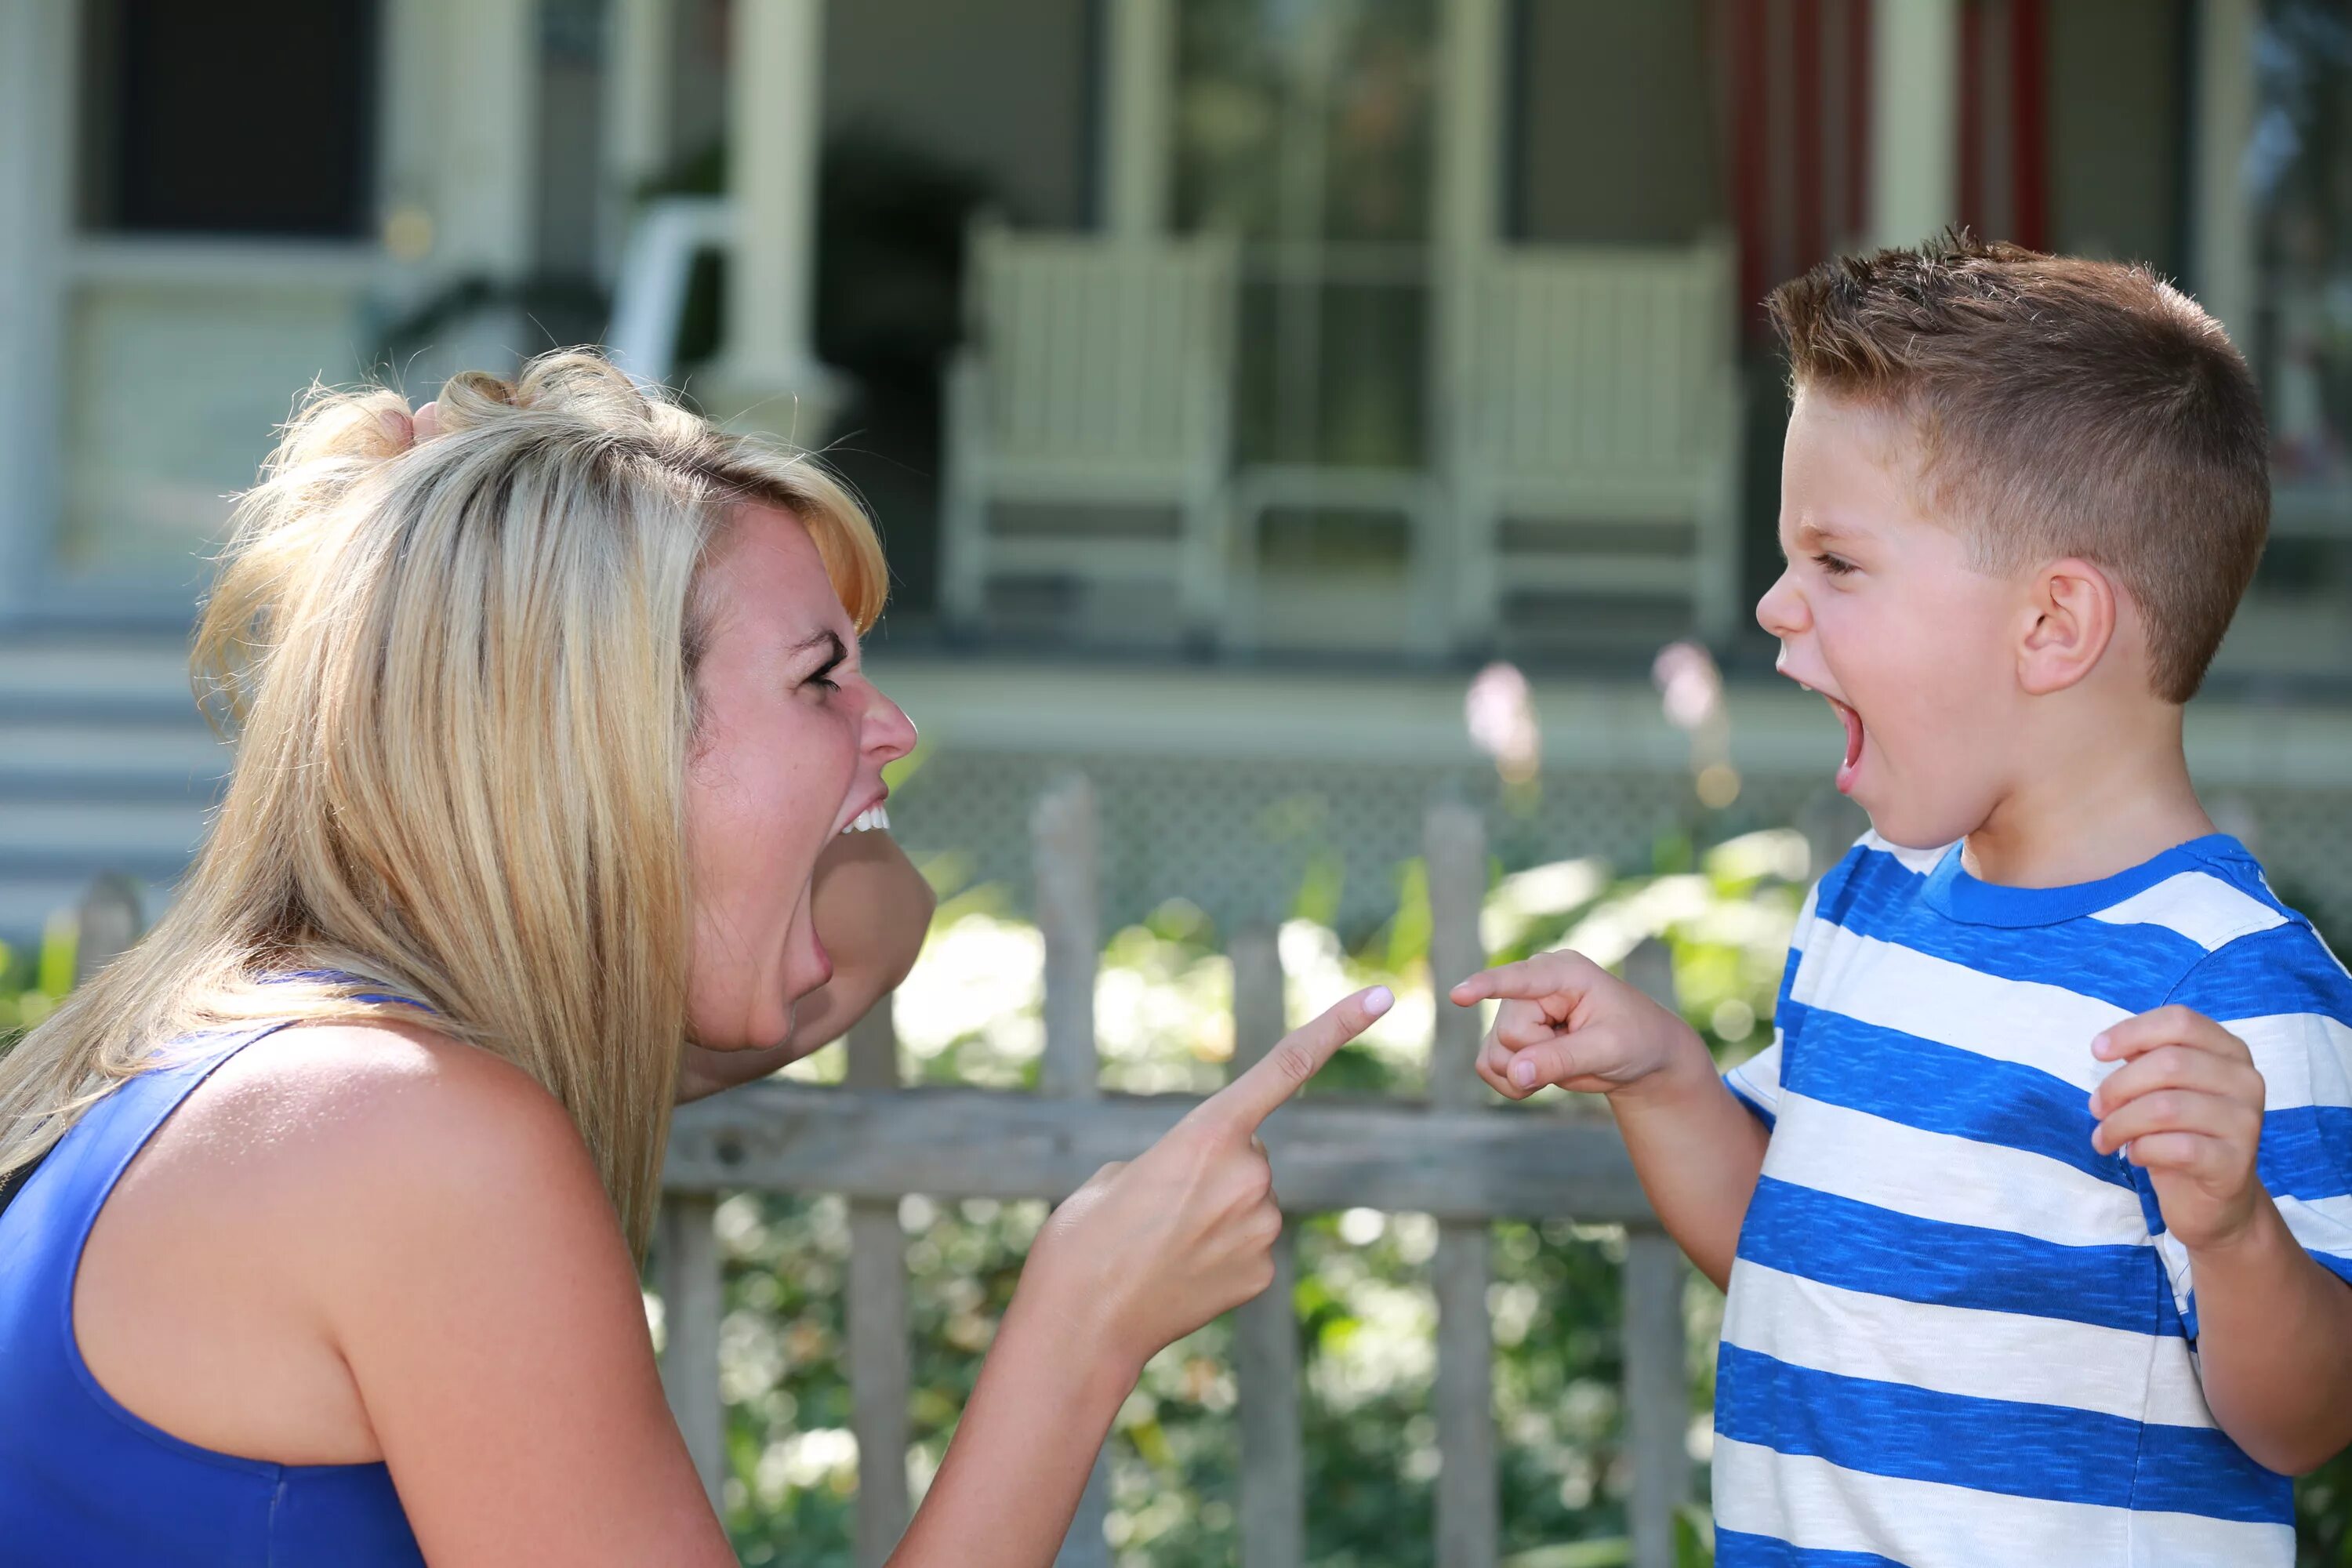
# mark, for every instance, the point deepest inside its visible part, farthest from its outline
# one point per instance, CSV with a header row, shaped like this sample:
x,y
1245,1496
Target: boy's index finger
x,y
1528,980
2169,1025
1299,1056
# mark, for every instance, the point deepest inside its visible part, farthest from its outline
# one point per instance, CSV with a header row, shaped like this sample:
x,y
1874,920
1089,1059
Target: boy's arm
x,y
871,908
1698,1153
2273,1327
1567,1021
2274,1337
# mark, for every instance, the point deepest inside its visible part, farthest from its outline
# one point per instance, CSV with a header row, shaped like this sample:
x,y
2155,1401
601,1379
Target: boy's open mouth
x,y
1853,736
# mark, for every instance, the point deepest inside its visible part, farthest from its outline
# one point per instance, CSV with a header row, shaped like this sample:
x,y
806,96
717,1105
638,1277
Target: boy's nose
x,y
1781,610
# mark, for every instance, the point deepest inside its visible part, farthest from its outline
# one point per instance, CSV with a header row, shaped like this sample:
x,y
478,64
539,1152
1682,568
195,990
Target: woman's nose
x,y
889,731
1781,610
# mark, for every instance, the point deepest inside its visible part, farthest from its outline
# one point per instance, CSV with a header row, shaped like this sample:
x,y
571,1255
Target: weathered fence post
x,y
686,1250
1830,823
1265,1331
1064,836
1657,1399
880,1373
1469,1526
106,922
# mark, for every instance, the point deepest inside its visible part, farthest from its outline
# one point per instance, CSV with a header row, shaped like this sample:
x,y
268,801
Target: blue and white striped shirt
x,y
1957,1336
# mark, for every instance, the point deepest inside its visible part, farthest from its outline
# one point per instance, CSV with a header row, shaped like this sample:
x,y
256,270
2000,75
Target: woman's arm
x,y
467,1268
1136,1259
871,908
469,1271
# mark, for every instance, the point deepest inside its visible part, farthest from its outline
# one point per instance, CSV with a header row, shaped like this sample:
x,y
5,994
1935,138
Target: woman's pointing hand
x,y
1151,1248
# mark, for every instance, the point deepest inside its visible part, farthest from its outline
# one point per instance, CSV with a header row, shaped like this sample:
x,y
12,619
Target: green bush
x,y
32,984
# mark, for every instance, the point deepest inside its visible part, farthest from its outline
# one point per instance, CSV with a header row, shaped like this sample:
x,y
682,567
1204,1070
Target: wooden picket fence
x,y
1461,1156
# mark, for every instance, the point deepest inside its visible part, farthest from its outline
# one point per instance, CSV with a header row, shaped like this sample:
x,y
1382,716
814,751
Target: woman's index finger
x,y
1297,1056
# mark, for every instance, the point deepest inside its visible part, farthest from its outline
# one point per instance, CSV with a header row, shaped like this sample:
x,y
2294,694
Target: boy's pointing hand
x,y
1565,1020
2188,1101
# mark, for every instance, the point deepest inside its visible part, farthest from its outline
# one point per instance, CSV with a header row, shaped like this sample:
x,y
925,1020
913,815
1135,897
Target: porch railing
x,y
1458,1155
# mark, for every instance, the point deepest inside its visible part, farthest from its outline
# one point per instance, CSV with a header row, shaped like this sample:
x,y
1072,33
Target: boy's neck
x,y
2107,803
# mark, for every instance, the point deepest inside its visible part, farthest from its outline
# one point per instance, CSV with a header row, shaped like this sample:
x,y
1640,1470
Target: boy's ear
x,y
2074,606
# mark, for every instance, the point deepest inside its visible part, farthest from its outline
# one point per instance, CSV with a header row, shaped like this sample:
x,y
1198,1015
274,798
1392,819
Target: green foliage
x,y
2323,1515
1366,1313
1364,1307
32,985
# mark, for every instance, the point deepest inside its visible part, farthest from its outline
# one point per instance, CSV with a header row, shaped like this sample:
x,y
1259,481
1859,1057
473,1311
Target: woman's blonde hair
x,y
461,676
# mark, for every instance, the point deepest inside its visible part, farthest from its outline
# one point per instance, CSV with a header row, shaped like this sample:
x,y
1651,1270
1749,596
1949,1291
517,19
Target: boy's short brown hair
x,y
2063,407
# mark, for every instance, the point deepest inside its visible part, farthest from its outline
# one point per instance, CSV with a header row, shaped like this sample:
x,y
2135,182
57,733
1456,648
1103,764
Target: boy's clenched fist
x,y
1565,1020
2189,1103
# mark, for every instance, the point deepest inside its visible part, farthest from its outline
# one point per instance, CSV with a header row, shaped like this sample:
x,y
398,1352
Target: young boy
x,y
2029,1262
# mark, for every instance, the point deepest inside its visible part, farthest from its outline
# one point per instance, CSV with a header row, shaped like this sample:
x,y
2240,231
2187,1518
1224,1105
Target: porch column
x,y
1138,81
1915,168
638,40
36,53
2222,242
489,151
1464,221
768,379
461,150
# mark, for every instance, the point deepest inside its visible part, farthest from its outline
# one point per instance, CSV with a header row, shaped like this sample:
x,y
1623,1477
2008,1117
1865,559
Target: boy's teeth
x,y
872,820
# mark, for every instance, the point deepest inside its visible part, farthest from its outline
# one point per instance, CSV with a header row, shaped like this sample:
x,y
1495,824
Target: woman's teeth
x,y
873,819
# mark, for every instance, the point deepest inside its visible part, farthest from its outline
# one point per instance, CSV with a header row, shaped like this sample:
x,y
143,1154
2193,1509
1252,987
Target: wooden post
x,y
1064,835
1472,99
1830,823
1063,832
1915,76
1469,1523
880,1374
108,921
1265,1331
687,1250
1138,72
1657,1399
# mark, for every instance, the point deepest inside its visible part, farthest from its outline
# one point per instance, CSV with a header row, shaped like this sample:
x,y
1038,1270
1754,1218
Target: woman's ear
x,y
2074,606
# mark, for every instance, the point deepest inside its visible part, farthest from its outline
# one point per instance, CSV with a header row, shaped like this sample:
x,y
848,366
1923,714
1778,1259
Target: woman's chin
x,y
764,1029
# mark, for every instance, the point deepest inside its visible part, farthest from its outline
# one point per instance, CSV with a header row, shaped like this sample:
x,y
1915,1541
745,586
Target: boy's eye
x,y
1835,565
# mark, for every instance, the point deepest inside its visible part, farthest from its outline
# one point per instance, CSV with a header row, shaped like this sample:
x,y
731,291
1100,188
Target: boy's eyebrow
x,y
1812,535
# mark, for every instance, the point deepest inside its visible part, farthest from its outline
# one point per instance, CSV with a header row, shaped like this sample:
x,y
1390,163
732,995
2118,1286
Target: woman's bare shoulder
x,y
367,1099
434,1221
350,1135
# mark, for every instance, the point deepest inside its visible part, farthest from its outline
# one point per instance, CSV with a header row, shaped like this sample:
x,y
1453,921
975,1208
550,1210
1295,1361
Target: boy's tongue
x,y
1853,762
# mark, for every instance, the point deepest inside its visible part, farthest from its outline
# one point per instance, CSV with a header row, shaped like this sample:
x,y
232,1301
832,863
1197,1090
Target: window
x,y
2299,172
1307,131
231,117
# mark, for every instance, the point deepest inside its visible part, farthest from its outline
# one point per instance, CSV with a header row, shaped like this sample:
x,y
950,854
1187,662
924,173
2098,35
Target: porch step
x,y
105,765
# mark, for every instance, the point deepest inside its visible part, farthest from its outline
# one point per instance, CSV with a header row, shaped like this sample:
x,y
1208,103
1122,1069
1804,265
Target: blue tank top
x,y
83,1481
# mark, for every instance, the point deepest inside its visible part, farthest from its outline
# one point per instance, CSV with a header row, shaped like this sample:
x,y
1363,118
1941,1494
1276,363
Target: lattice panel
x,y
1237,837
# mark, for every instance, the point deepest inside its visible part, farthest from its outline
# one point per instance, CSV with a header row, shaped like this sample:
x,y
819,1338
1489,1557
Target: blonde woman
x,y
326,1199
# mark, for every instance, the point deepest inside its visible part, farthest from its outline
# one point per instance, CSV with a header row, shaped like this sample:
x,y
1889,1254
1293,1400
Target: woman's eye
x,y
1835,565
